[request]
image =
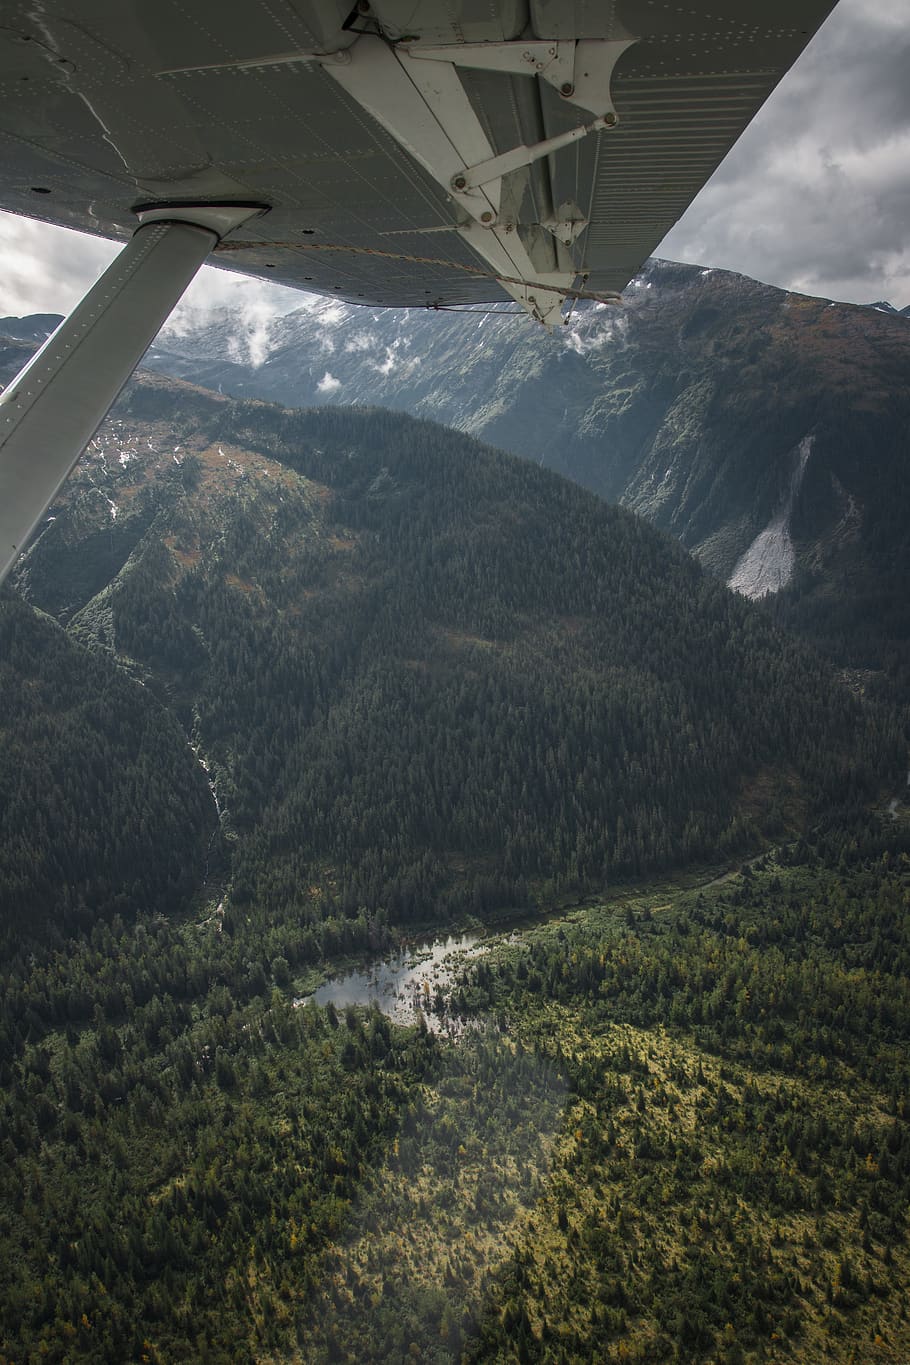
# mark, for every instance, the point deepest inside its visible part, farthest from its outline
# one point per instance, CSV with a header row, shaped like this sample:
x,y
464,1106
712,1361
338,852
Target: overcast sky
x,y
815,196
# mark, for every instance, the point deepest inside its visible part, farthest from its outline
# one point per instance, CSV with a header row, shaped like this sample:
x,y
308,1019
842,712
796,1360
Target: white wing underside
x,y
411,152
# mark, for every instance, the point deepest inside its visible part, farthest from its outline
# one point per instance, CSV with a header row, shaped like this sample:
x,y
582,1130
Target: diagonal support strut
x,y
51,410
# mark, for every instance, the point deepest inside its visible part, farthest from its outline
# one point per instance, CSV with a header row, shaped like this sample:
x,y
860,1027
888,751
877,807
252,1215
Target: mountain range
x,y
765,430
420,672
285,685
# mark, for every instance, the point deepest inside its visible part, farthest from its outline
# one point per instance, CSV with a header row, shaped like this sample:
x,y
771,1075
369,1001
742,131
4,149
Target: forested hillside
x,y
305,682
425,676
690,404
103,807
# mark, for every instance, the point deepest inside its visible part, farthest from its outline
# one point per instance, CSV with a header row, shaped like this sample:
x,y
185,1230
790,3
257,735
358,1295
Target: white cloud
x,y
360,341
591,329
49,269
328,383
385,367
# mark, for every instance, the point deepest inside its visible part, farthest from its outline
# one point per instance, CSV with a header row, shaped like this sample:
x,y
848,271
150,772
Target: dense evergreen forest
x,y
427,683
674,1128
428,678
103,809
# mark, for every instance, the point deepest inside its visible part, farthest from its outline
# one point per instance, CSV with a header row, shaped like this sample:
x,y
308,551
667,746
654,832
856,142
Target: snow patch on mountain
x,y
330,312
767,565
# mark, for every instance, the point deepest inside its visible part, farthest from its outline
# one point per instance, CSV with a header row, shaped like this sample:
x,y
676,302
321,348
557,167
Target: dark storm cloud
x,y
816,195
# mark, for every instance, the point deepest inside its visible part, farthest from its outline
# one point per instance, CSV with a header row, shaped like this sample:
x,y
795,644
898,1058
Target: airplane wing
x,y
401,152
362,129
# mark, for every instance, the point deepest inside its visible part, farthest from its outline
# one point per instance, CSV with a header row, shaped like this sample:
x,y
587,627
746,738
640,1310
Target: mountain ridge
x,y
690,406
686,405
338,592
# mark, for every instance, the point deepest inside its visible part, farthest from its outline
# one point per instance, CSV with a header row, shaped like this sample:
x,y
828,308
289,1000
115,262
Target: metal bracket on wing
x,y
417,96
580,71
542,293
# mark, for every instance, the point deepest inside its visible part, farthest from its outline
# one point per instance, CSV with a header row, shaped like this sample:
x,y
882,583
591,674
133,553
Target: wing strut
x,y
51,410
418,97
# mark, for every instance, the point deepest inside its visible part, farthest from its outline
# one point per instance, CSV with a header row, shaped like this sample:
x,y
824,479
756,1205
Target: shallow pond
x,y
406,981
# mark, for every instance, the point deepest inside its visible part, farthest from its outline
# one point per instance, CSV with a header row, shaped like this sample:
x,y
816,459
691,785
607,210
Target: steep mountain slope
x,y
425,674
103,807
766,430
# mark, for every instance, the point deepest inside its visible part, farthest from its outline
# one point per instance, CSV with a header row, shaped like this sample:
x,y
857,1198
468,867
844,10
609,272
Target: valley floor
x,y
675,1126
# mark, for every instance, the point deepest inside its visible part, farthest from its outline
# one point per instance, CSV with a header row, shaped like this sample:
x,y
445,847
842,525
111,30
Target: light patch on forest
x,y
729,1202
613,1180
777,792
462,639
450,1200
242,584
